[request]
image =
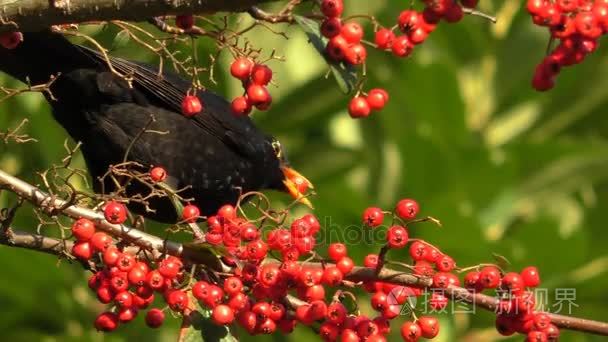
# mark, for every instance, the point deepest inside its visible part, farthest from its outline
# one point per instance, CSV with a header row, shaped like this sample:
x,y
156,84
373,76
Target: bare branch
x,y
34,15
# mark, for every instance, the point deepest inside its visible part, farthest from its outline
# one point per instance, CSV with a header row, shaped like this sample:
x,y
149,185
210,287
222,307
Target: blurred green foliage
x,y
506,169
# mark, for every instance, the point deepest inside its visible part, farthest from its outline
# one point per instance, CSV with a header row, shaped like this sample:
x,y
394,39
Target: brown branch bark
x,y
155,244
34,15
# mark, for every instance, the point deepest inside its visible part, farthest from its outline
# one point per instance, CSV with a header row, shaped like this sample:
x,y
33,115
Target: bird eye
x,y
276,145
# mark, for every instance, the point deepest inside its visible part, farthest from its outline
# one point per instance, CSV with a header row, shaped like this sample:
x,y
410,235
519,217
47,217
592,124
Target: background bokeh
x,y
506,169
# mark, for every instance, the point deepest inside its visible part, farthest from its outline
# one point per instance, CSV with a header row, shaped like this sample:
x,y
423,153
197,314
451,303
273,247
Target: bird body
x,y
216,153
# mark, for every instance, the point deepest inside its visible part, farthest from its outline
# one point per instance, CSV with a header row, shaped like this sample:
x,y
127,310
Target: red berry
x,y
269,275
169,269
82,250
379,301
261,74
358,107
489,277
402,47
371,261
587,25
345,265
155,318
349,335
241,105
373,217
542,321
185,22
454,13
315,292
100,241
126,315
536,336
429,326
11,40
315,226
336,48
471,281
241,68
191,105
384,38
232,286
123,299
332,8
137,276
377,99
410,331
158,174
418,251
445,263
317,310
336,313
535,7
397,237
552,332
355,54
226,213
106,321
530,276
512,282
177,300
83,229
352,32
126,262
332,276
155,280
337,251
257,93
190,213
407,209
409,20
222,315
329,332
115,212
331,27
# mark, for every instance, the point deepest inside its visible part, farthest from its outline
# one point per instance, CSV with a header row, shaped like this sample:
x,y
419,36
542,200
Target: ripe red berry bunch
x,y
416,26
125,281
261,270
254,77
516,310
577,25
344,43
362,106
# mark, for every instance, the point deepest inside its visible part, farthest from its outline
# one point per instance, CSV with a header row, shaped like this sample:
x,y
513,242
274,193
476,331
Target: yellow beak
x,y
297,185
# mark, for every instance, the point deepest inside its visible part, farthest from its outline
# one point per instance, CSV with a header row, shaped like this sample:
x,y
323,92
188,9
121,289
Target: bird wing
x,y
169,90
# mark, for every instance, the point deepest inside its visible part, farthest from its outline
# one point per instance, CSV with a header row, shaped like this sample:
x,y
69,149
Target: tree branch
x,y
34,15
155,244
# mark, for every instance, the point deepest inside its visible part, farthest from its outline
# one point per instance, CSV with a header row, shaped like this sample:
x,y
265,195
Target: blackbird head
x,y
291,181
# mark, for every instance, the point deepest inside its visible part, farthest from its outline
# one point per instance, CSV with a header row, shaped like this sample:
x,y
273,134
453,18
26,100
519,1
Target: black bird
x,y
216,153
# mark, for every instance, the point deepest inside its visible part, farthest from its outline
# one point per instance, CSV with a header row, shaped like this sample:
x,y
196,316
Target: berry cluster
x,y
124,280
345,40
577,24
345,46
263,269
254,77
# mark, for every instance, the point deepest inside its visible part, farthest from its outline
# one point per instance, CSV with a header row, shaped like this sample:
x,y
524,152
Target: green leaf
x,y
121,40
346,76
